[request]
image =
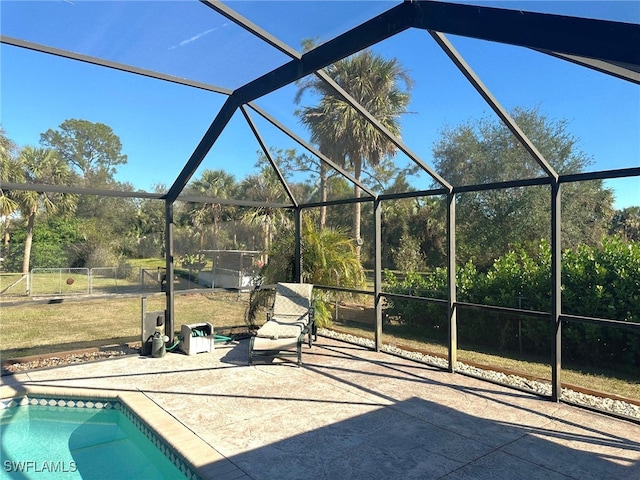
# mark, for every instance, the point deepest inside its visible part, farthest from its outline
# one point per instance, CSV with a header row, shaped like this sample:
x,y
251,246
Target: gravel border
x,y
48,361
604,404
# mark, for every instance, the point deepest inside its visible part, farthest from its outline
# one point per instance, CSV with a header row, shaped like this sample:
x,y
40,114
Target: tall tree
x,y
381,86
265,187
42,166
626,224
10,171
490,222
91,148
150,225
213,184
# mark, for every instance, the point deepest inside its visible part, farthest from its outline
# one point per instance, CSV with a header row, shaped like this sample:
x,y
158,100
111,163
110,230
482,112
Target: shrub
x,y
599,281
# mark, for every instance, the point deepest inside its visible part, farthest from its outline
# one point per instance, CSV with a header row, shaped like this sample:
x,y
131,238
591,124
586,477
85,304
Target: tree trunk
x,y
28,242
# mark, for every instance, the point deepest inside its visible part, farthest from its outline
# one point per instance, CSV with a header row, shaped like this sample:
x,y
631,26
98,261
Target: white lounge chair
x,y
289,320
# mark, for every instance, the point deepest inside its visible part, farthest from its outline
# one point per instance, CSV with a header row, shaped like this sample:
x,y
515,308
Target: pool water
x,y
56,442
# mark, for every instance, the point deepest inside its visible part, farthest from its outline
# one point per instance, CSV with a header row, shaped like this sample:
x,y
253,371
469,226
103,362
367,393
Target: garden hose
x,y
169,349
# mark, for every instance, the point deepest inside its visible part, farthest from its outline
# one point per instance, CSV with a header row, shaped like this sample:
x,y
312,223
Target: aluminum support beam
x,y
488,97
600,175
630,73
267,154
233,201
377,281
169,263
251,27
385,25
41,187
306,145
556,291
297,273
207,141
614,42
109,64
451,280
382,129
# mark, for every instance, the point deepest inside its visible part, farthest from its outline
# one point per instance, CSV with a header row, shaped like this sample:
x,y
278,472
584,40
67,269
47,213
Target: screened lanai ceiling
x,y
215,82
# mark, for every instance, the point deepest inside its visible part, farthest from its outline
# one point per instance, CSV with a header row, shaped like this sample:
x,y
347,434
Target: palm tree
x,y
214,184
265,187
42,166
343,134
10,171
329,257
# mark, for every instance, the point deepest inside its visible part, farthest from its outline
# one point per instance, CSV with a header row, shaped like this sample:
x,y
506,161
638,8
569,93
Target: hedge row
x,y
601,282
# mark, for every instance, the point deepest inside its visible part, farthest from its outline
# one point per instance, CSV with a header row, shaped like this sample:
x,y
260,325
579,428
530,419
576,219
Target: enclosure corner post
x,y
451,280
297,261
556,289
169,312
377,282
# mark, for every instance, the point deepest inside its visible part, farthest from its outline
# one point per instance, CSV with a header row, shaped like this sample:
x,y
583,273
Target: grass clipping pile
x,y
35,362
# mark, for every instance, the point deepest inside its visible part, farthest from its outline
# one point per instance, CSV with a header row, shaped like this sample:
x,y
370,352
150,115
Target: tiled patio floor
x,y
350,413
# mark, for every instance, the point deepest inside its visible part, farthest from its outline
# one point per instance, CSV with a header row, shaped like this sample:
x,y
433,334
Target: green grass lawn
x,y
72,324
41,328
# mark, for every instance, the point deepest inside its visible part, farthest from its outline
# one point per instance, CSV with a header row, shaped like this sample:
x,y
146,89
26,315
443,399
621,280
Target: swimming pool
x,y
71,438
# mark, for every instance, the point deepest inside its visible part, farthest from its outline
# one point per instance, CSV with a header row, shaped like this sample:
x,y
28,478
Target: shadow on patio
x,y
357,414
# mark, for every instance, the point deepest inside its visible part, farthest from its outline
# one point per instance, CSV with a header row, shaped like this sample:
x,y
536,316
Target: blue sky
x,y
160,124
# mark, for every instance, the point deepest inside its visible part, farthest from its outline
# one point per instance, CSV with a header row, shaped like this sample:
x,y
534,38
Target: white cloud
x,y
197,36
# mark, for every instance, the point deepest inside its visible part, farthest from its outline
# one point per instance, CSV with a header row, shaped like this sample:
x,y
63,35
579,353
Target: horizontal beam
x,y
596,39
413,194
40,187
344,201
37,47
601,175
232,201
603,322
505,310
527,182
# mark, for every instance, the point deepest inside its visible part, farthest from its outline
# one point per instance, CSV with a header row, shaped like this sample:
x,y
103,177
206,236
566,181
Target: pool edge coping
x,y
197,453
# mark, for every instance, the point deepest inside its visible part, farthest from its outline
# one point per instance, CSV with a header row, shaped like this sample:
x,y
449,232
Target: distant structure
x,y
230,269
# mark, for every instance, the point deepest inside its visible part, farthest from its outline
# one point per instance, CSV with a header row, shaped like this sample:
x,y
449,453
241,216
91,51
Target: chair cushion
x,y
275,329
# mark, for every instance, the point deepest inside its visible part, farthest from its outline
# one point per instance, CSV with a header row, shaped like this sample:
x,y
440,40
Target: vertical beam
x,y
451,278
377,281
556,289
168,233
297,262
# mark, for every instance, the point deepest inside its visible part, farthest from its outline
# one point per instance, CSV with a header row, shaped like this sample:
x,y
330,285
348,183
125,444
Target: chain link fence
x,y
83,281
59,281
113,280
